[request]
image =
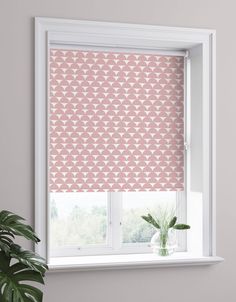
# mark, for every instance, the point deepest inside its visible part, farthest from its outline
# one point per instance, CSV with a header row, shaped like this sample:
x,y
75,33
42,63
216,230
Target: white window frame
x,y
138,38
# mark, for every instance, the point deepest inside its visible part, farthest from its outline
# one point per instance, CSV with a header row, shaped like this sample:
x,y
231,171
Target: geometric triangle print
x,y
116,121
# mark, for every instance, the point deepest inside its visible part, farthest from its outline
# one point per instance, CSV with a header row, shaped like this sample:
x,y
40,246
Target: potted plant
x,y
163,241
18,265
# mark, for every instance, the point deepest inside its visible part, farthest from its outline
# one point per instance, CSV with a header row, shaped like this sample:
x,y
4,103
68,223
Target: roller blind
x,y
116,121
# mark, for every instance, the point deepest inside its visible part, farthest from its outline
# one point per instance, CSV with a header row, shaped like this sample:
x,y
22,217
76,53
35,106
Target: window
x,y
116,125
124,124
91,223
80,220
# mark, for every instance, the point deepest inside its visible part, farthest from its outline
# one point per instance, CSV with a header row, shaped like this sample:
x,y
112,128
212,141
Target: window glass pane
x,y
136,204
78,219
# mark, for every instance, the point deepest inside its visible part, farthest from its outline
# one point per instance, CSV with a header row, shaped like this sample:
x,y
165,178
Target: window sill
x,y
129,261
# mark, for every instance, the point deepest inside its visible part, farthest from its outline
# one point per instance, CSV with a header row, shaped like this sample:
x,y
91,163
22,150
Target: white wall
x,y
206,284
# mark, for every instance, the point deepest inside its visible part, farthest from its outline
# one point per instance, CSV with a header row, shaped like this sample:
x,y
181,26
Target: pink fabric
x,y
116,122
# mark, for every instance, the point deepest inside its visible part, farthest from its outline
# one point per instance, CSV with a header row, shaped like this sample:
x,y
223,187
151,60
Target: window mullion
x,y
181,212
116,219
109,219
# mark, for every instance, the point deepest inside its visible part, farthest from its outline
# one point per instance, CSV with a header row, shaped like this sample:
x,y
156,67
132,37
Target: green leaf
x,y
31,267
32,292
11,223
29,275
181,226
17,267
2,233
11,282
4,247
5,241
151,220
4,262
29,258
172,222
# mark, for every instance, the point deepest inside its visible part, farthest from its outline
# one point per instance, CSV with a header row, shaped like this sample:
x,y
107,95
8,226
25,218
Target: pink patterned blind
x,y
116,121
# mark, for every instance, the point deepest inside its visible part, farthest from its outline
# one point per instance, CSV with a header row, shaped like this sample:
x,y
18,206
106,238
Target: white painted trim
x,y
208,133
181,213
170,35
95,47
187,130
116,204
213,142
48,30
40,138
133,261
